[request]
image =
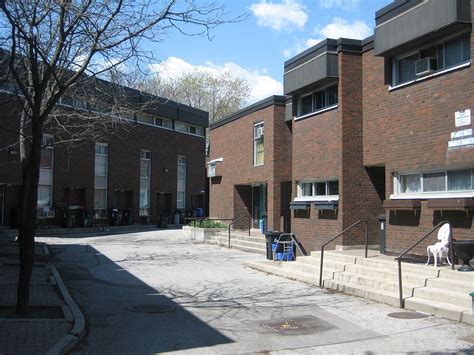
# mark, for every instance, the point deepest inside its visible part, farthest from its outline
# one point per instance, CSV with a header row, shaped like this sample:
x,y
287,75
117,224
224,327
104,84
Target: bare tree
x,y
51,48
220,95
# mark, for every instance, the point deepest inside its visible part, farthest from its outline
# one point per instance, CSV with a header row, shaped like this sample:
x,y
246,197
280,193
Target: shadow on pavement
x,y
113,300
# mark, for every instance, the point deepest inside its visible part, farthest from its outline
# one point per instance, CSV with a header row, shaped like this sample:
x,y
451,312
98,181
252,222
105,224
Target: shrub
x,y
207,223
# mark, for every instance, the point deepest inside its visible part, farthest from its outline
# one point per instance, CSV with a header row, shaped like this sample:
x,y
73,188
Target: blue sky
x,y
275,30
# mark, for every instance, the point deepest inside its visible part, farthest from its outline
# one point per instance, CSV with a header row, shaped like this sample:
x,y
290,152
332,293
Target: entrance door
x,y
2,205
258,205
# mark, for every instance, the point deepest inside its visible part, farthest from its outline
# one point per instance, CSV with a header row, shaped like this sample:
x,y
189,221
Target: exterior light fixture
x,y
165,170
13,152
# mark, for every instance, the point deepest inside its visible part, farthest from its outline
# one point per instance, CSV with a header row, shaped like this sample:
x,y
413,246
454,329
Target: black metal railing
x,y
400,257
337,236
234,222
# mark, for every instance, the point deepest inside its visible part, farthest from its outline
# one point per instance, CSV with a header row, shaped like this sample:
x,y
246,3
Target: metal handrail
x,y
235,221
201,219
400,257
337,236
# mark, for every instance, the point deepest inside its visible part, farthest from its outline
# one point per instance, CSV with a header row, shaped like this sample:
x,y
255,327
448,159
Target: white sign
x,y
460,134
461,142
462,118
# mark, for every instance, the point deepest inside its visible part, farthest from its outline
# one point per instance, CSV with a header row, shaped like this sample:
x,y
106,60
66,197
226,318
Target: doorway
x,y
2,205
258,204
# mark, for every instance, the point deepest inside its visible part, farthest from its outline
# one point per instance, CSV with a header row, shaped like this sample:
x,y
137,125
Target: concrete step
x,y
392,265
450,284
280,269
328,262
225,241
446,310
444,296
457,275
333,255
255,239
296,266
387,275
247,248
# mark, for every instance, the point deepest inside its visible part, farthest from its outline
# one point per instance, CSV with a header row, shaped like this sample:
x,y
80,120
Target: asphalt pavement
x,y
157,291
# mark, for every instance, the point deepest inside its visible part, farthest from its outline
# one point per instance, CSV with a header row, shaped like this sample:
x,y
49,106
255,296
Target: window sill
x,y
317,198
399,86
329,108
428,196
258,165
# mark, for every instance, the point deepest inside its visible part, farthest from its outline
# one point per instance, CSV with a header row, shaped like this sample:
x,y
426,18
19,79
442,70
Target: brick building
x,y
145,170
380,126
250,165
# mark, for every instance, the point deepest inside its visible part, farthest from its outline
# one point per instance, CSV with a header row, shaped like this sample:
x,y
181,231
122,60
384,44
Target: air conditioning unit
x,y
259,132
425,66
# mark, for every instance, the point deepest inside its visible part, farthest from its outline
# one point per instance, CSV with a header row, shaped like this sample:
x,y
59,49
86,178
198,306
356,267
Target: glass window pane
x,y
434,182
333,187
44,195
332,95
320,188
440,56
46,158
145,168
180,200
410,183
45,177
453,52
307,189
99,198
306,104
459,180
406,68
466,47
145,119
100,165
144,198
100,181
181,127
320,99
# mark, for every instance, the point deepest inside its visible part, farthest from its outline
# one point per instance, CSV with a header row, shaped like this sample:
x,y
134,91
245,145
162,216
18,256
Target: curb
x,y
78,331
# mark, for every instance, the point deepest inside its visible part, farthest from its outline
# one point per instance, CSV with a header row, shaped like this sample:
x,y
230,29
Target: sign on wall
x,y
462,118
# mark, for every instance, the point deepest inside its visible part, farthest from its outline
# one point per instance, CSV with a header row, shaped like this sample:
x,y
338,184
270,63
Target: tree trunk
x,y
30,165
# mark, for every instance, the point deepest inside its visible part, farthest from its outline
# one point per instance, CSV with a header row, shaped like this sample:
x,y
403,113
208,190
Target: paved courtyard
x,y
158,291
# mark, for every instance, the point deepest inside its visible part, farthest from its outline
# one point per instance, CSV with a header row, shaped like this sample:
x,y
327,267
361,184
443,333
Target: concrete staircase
x,y
255,243
439,291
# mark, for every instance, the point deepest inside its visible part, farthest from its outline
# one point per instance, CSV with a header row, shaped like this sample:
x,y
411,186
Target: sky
x,y
274,31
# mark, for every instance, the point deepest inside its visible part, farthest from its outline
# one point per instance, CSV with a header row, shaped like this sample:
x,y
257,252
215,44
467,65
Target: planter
x,y
201,234
464,250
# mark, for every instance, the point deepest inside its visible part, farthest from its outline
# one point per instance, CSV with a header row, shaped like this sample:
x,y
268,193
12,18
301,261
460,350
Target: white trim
x,y
460,66
329,108
317,198
215,161
428,195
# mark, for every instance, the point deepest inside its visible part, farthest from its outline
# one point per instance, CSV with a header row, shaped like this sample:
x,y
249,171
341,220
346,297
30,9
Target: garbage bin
x,y
270,237
382,229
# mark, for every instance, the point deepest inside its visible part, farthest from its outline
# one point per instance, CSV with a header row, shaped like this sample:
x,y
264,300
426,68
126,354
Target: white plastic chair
x,y
441,247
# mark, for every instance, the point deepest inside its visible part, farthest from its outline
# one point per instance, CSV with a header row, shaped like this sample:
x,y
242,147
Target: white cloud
x,y
336,29
261,85
280,16
343,4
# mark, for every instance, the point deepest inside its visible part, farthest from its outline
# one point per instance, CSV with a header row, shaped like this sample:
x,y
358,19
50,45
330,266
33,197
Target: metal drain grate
x,y
407,315
151,308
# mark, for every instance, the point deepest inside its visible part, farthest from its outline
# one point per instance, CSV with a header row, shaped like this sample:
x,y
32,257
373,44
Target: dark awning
x,y
326,205
299,205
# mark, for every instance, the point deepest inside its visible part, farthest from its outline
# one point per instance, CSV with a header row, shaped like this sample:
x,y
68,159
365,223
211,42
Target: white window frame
x,y
256,126
145,155
182,164
395,61
96,213
398,195
45,211
314,197
313,110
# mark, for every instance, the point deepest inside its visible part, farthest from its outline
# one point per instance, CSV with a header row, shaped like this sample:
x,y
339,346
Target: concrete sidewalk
x,y
53,323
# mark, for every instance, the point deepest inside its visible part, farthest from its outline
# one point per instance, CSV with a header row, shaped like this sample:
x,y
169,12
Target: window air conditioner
x,y
425,66
259,132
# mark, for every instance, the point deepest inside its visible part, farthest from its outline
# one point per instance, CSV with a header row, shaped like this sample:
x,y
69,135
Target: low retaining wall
x,y
201,234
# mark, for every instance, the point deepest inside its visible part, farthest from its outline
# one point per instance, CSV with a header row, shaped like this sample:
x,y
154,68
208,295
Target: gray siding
x,y
420,21
309,73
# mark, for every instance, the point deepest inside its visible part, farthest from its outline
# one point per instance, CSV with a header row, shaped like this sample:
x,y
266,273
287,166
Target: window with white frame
x,y
258,144
187,128
100,180
435,183
443,55
45,183
318,190
145,176
181,183
318,100
154,121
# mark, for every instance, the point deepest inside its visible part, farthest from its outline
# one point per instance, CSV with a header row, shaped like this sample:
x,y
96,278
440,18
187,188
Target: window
x,y
318,100
318,189
186,128
45,183
181,183
435,182
100,180
444,55
258,144
145,175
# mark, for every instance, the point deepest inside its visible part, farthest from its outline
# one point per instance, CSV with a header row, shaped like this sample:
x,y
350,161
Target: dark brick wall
x,y
234,142
408,129
74,166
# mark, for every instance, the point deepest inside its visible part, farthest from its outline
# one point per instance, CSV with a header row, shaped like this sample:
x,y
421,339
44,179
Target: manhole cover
x,y
407,315
151,308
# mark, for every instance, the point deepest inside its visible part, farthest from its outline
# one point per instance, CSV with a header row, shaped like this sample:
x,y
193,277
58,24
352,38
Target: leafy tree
x,y
51,48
